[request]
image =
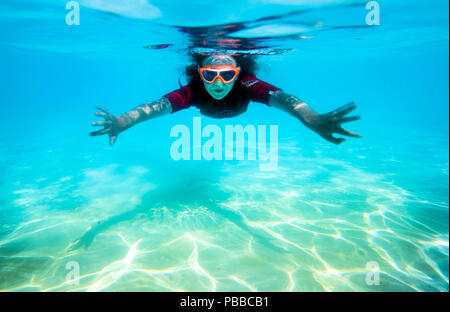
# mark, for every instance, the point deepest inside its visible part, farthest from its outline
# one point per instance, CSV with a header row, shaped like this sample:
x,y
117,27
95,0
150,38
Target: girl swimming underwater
x,y
222,86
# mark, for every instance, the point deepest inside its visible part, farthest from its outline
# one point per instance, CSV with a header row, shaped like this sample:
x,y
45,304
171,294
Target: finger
x,y
348,119
99,132
105,123
332,139
101,115
112,139
344,110
348,133
102,109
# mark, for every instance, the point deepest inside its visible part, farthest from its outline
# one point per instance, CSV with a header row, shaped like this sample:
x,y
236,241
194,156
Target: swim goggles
x,y
226,73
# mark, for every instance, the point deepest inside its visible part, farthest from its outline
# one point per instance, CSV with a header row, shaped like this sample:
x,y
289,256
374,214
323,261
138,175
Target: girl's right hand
x,y
111,125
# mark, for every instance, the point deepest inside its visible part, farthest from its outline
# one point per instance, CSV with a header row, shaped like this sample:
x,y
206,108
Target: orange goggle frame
x,y
226,73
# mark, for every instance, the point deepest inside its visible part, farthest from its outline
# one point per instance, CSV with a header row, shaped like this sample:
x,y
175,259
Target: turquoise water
x,y
133,219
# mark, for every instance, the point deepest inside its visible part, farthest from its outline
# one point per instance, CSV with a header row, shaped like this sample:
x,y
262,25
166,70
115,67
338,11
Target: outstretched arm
x,y
115,125
323,124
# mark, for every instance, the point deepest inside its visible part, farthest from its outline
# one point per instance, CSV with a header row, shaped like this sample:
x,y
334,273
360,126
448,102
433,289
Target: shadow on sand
x,y
188,188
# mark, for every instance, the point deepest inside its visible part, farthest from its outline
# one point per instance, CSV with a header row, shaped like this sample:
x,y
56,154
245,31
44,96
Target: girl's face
x,y
218,90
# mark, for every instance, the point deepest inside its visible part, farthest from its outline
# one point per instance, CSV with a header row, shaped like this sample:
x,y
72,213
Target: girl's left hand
x,y
328,124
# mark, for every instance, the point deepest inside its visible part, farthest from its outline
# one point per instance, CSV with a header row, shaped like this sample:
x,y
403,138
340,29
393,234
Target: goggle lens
x,y
228,75
209,75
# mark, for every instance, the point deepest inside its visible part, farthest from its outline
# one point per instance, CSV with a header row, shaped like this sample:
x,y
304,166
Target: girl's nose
x,y
218,82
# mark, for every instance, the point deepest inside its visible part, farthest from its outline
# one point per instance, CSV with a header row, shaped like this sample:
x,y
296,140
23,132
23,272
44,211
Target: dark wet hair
x,y
247,63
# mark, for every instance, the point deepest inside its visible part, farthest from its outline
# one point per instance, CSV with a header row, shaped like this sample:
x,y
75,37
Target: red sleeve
x,y
258,90
181,98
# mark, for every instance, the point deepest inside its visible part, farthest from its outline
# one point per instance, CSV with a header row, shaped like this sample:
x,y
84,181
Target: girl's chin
x,y
218,96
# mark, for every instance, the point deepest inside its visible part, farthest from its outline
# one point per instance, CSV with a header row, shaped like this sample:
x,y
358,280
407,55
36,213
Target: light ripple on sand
x,y
366,212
